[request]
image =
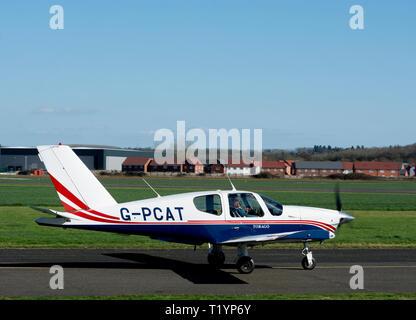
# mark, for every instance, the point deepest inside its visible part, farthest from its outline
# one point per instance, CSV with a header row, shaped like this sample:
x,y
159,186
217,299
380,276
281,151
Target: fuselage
x,y
218,217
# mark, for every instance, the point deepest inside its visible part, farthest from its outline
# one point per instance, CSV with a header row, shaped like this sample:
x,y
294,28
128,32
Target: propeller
x,y
338,198
344,216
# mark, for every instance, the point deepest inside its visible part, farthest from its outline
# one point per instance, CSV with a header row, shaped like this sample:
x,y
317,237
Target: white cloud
x,y
64,111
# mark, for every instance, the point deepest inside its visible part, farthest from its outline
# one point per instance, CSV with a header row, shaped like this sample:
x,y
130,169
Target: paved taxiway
x,y
88,272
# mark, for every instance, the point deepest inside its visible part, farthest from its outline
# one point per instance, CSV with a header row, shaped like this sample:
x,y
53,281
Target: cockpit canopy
x,y
275,208
241,204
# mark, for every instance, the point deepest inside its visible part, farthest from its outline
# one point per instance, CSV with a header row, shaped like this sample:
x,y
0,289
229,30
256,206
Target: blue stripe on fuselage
x,y
213,233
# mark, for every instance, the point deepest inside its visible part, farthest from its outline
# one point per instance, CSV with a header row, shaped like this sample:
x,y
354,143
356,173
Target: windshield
x,y
275,208
244,205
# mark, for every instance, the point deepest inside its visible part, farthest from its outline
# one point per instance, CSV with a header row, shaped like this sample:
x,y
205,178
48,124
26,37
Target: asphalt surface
x,y
105,272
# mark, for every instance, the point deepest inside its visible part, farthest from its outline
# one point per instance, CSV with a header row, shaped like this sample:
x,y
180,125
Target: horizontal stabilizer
x,y
45,210
52,222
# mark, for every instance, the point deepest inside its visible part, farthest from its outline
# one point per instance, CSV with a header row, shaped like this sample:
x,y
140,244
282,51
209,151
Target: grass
x,y
334,296
45,195
382,219
376,229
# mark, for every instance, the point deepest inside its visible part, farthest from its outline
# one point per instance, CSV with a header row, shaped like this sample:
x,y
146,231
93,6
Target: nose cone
x,y
345,217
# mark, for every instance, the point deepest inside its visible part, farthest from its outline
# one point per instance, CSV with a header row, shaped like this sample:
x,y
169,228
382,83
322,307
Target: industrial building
x,y
95,157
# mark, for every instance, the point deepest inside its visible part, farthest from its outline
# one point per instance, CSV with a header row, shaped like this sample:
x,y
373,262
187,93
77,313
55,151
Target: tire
x,y
245,265
306,265
216,260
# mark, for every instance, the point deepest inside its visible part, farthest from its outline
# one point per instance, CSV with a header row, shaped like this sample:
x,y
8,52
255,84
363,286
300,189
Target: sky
x,y
121,70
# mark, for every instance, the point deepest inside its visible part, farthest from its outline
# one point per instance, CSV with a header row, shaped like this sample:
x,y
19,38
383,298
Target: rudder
x,y
76,185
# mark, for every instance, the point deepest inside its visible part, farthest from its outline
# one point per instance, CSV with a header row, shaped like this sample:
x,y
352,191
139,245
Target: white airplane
x,y
220,218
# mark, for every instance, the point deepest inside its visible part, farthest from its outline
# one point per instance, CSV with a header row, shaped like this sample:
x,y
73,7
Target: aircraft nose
x,y
345,217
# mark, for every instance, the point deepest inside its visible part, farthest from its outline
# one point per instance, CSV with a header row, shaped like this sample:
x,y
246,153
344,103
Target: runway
x,y
109,272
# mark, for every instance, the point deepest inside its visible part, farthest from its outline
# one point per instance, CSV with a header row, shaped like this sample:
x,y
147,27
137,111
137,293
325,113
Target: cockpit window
x,y
210,203
244,205
275,208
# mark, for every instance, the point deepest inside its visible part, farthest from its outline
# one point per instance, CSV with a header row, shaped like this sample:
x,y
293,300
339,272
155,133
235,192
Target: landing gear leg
x,y
245,264
308,262
216,257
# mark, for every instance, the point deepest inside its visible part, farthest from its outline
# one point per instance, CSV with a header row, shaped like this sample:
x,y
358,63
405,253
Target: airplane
x,y
220,218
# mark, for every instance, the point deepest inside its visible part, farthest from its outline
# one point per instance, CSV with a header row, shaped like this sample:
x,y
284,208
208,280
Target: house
x,y
288,169
377,168
238,167
193,165
215,168
166,166
347,167
317,168
411,170
274,167
136,164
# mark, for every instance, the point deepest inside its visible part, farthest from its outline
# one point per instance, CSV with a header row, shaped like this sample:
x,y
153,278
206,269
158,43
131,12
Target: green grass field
x,y
340,296
385,219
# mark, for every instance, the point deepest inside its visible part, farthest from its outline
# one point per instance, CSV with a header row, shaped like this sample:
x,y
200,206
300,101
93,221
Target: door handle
x,y
236,228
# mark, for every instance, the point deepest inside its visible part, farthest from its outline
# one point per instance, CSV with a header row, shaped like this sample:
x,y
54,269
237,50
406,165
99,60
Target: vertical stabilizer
x,y
76,185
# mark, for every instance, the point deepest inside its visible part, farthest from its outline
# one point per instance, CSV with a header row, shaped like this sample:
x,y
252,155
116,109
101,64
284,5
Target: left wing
x,y
259,238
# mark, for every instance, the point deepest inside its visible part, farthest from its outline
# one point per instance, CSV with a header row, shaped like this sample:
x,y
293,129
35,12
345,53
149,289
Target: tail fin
x,y
77,187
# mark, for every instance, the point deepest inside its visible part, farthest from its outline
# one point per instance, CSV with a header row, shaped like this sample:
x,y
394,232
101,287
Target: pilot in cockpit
x,y
239,211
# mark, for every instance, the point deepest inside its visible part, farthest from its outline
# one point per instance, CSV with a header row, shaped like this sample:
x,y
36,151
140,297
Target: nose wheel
x,y
308,261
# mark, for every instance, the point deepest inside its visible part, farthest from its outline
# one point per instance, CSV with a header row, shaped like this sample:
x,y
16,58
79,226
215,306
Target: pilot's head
x,y
236,203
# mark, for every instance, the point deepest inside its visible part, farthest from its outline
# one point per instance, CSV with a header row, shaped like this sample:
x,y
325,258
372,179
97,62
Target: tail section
x,y
77,187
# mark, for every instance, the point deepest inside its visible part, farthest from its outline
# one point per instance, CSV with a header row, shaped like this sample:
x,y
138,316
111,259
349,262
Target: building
x,y
317,168
136,164
275,167
169,166
193,165
95,157
240,168
377,168
289,166
347,167
215,168
411,170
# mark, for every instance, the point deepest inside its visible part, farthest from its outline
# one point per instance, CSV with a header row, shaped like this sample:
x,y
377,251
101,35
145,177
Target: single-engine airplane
x,y
220,218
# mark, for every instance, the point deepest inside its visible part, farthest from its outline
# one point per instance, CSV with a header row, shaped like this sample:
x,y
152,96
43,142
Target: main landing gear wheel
x,y
216,260
245,264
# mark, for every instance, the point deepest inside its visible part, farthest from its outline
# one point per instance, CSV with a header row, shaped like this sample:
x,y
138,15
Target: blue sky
x,y
122,69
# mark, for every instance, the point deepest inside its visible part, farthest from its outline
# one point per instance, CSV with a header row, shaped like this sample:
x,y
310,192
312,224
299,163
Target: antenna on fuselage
x,y
234,189
158,195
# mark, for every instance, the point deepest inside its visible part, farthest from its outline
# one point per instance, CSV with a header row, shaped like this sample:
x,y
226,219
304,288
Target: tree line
x,y
353,153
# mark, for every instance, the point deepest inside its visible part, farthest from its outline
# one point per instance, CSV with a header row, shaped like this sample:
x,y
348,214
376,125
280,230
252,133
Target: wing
x,y
259,238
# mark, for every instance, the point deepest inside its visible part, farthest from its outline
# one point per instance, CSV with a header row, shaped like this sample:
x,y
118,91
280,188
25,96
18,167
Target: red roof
x,y
274,164
347,165
378,165
136,161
